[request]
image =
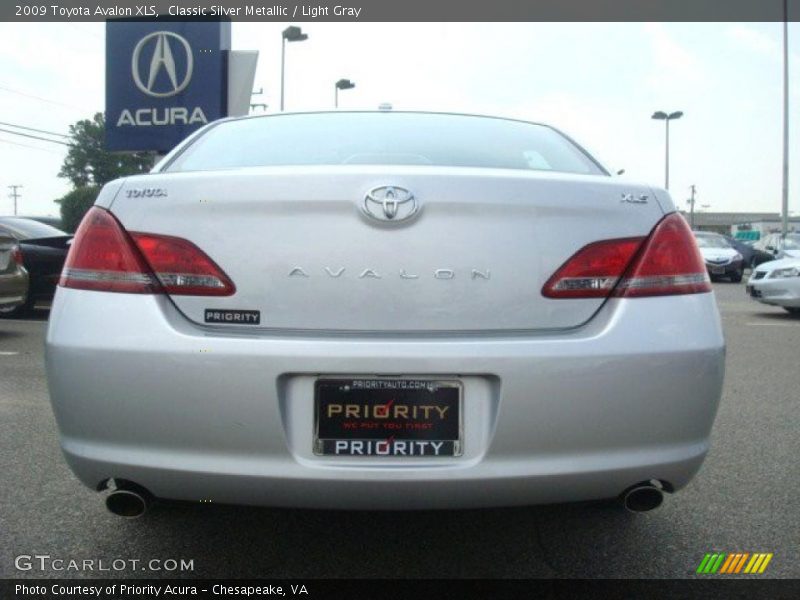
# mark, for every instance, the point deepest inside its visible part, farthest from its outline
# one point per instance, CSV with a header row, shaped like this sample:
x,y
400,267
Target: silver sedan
x,y
383,310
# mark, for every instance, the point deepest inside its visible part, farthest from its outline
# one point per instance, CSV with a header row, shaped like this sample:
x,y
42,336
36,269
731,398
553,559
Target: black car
x,y
752,256
44,249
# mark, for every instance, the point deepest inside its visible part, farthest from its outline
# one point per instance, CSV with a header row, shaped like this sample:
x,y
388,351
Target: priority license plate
x,y
387,417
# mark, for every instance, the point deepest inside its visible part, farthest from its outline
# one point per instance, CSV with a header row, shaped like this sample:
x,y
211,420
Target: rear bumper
x,y
141,394
13,288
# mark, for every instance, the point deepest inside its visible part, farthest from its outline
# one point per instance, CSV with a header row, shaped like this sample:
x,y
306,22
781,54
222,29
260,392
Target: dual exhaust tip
x,y
643,497
128,500
131,501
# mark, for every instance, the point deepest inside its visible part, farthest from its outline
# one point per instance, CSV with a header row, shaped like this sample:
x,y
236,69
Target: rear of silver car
x,y
383,328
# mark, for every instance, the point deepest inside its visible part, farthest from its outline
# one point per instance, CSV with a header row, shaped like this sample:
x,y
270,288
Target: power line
x,y
7,89
2,141
36,130
35,137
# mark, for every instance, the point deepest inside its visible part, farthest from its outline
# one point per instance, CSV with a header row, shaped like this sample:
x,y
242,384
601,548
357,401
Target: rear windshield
x,y
25,229
387,138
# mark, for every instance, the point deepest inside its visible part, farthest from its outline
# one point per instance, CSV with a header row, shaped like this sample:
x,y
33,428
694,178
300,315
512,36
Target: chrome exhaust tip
x,y
642,498
127,503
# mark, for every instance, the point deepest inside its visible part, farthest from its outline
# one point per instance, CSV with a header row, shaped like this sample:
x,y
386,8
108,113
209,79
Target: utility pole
x,y
691,205
14,194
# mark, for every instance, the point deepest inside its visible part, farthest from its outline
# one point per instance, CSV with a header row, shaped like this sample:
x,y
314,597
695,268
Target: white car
x,y
777,283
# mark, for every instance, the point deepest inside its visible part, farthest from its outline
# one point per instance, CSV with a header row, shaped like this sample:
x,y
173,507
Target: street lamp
x,y
290,34
667,117
342,84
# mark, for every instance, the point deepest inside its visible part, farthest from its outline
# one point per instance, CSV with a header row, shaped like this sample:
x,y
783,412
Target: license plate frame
x,y
388,417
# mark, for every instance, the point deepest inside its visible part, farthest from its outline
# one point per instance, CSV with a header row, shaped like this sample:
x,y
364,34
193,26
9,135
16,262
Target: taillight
x,y
104,257
593,271
669,263
181,267
16,255
666,262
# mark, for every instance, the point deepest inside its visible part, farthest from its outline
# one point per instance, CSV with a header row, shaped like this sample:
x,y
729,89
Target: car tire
x,y
792,310
737,276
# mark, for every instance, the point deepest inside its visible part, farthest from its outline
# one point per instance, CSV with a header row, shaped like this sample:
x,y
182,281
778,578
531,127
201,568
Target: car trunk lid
x,y
302,252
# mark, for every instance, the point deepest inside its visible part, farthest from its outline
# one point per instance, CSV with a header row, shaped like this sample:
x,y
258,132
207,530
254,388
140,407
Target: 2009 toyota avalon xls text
x,y
383,310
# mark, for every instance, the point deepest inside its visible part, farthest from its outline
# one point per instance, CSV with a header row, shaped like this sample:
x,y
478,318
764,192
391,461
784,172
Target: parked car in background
x,y
778,247
42,249
777,283
13,277
751,255
52,221
721,259
419,310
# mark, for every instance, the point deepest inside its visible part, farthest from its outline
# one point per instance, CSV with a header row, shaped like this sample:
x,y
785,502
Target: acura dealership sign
x,y
164,79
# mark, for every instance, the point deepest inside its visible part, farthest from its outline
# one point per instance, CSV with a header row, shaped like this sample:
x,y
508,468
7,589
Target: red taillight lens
x,y
181,267
104,257
593,271
16,255
669,263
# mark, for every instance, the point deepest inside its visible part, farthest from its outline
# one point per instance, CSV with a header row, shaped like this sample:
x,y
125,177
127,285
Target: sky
x,y
597,82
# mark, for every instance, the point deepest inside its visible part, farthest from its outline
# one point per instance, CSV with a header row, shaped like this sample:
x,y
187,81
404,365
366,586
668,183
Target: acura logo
x,y
162,58
390,203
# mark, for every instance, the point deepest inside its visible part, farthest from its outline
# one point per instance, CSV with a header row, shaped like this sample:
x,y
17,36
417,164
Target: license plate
x,y
717,270
387,417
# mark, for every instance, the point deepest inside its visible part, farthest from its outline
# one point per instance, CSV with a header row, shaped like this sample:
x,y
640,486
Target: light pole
x,y
785,184
667,117
290,34
342,84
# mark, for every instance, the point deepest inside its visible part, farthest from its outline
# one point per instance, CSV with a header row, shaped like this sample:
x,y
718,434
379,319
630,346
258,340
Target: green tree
x,y
75,204
88,163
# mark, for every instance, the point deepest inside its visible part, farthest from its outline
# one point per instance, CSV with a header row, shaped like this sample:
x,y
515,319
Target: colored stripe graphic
x,y
764,564
741,562
729,564
711,563
703,563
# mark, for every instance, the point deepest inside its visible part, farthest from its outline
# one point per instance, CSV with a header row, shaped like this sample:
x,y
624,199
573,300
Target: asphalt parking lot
x,y
744,499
